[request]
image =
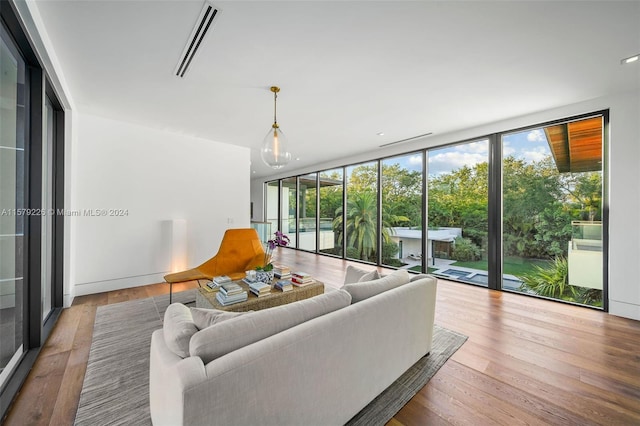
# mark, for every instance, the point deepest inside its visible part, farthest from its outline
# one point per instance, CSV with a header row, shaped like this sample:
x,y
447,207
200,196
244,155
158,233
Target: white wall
x,y
624,206
624,183
155,177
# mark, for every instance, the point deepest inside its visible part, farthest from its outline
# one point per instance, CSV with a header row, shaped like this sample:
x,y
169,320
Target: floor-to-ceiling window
x,y
307,208
289,209
330,223
401,185
520,211
12,205
360,215
552,237
458,211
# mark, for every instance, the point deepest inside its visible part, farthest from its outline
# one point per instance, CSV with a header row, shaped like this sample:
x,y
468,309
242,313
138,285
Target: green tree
x,y
330,200
459,199
361,224
538,205
583,193
531,193
363,177
465,250
401,195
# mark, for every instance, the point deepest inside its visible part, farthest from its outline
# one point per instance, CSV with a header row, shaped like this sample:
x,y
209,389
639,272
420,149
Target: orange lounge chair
x,y
240,251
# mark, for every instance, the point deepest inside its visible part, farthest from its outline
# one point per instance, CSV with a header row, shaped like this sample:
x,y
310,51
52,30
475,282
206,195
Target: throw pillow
x,y
363,290
354,274
227,336
178,328
204,318
369,276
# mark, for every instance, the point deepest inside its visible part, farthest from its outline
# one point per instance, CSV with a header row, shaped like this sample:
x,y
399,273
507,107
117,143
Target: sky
x,y
530,145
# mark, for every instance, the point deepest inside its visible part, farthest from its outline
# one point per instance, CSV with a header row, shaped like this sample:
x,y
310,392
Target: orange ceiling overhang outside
x,y
576,146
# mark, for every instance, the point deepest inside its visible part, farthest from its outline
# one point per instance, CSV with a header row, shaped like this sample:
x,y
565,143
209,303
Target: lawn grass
x,y
512,265
418,268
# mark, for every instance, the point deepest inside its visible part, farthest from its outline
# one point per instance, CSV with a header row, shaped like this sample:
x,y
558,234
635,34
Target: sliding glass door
x,y
552,234
12,204
31,193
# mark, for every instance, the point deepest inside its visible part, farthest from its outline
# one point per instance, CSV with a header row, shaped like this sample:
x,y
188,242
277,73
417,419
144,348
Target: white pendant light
x,y
274,151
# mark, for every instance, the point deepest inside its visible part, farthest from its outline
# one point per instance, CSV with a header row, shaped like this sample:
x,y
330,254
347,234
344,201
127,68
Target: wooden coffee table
x,y
206,298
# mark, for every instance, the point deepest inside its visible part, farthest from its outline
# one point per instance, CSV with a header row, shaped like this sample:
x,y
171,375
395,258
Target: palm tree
x,y
551,281
362,220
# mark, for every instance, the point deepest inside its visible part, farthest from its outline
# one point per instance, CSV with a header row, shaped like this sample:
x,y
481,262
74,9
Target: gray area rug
x,y
116,384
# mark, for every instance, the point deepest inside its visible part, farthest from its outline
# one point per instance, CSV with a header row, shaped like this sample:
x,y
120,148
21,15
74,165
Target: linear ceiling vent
x,y
406,140
203,24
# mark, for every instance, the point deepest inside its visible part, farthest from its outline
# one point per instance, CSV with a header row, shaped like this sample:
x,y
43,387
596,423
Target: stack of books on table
x,y
300,279
231,293
259,288
218,281
282,272
283,285
249,280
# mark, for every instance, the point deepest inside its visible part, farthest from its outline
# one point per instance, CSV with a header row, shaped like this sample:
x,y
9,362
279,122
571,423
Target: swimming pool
x,y
477,277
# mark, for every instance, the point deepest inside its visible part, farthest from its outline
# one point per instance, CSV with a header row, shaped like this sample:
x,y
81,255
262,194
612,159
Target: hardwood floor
x,y
527,361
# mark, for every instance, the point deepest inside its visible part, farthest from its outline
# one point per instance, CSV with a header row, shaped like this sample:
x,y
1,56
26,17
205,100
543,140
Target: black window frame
x,y
37,86
494,243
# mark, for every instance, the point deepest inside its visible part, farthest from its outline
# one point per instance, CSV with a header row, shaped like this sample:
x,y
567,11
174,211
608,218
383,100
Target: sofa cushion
x,y
178,328
227,336
363,290
204,318
354,275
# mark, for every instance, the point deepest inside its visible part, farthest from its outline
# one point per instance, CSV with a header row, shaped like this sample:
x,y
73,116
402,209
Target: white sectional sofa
x,y
314,362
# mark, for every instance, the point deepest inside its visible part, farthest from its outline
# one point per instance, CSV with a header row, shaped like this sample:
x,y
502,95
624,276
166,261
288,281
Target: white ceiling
x,y
348,69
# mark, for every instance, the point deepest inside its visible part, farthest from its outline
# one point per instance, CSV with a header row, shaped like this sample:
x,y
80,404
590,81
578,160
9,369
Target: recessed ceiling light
x,y
630,59
380,133
297,158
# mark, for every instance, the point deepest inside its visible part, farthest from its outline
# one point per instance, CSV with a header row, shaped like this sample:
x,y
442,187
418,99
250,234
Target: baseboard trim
x,y
626,310
82,289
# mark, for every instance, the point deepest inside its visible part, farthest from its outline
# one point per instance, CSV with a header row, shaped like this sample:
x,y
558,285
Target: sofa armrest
x,y
169,377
